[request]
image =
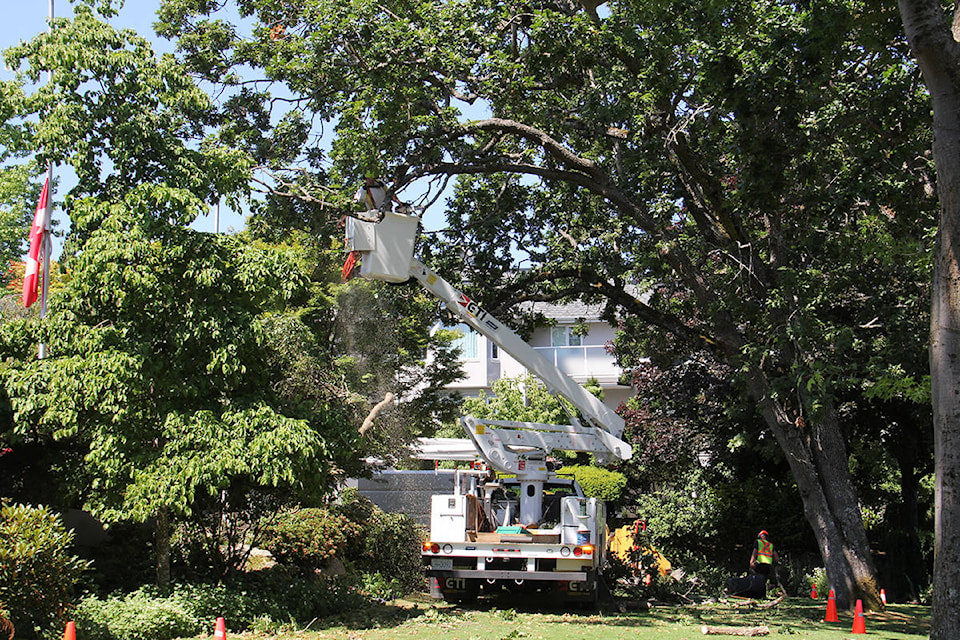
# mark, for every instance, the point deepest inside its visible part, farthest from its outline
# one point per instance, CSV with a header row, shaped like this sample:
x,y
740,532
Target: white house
x,y
580,356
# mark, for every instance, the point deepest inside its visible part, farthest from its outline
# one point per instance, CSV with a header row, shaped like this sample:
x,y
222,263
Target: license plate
x,y
443,564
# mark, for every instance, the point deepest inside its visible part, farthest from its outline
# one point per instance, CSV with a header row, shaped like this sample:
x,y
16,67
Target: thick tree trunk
x,y
162,547
908,568
928,30
818,460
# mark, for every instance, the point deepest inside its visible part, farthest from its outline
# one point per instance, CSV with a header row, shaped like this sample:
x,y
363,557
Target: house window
x,y
494,351
467,342
565,337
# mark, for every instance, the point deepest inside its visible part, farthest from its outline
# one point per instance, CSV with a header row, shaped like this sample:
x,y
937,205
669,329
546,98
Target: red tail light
x,y
431,547
583,550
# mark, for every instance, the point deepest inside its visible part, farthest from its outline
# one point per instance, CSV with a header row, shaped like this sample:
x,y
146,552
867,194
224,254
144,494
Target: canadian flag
x,y
31,276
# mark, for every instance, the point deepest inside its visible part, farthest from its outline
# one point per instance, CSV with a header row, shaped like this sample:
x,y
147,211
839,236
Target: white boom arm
x,y
609,426
386,249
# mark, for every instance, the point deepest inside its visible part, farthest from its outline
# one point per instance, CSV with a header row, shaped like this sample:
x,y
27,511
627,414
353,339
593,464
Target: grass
x,y
422,619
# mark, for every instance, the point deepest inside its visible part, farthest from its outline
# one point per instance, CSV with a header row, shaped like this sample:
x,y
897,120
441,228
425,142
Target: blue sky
x,y
27,18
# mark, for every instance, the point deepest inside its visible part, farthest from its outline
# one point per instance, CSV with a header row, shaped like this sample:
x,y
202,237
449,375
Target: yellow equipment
x,y
623,544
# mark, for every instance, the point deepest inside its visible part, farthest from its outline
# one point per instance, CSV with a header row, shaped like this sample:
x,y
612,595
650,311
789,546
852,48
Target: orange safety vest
x,y
764,551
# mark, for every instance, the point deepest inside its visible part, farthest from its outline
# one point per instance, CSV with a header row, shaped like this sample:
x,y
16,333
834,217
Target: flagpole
x,y
47,244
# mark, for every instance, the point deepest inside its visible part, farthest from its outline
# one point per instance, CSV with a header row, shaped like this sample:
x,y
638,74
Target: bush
x,y
385,546
596,482
140,615
307,538
265,599
37,575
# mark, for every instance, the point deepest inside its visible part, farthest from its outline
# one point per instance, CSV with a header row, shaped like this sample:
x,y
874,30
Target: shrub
x,y
265,599
382,544
596,482
37,575
306,538
282,595
140,615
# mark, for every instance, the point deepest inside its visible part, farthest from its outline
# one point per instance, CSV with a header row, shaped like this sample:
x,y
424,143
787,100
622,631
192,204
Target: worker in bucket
x,y
764,558
372,195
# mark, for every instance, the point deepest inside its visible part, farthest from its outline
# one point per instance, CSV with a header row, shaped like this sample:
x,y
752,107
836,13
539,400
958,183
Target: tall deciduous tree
x,y
745,161
160,367
165,365
932,30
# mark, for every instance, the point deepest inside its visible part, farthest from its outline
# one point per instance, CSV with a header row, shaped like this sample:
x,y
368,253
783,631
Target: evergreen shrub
x,y
596,482
307,538
37,574
383,547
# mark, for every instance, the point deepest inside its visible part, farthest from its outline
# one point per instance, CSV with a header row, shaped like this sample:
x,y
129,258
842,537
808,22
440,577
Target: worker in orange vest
x,y
764,558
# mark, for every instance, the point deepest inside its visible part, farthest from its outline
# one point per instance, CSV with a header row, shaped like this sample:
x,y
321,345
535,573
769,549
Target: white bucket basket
x,y
386,247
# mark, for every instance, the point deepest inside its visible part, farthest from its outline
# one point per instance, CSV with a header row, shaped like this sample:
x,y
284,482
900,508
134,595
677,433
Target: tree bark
x,y
928,30
816,453
162,547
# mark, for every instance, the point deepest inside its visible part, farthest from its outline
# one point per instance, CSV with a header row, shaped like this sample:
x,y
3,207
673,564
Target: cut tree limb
x,y
735,631
380,406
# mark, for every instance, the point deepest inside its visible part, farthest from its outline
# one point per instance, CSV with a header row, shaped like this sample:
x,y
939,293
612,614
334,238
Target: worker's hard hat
x,y
762,533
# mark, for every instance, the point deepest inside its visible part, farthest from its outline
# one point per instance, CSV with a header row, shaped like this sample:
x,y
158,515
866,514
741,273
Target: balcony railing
x,y
583,362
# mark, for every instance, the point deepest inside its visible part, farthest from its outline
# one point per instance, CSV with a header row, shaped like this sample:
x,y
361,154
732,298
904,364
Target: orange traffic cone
x,y
813,591
220,631
883,597
832,608
859,622
70,633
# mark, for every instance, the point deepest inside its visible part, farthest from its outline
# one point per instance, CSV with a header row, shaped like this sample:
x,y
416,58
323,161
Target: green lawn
x,y
796,618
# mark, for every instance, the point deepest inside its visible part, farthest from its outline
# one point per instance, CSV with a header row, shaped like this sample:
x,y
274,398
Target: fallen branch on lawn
x,y
771,604
735,631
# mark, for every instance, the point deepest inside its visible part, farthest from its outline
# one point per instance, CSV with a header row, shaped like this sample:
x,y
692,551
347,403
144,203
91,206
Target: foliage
x,y
187,610
703,474
708,155
382,544
597,483
37,572
160,371
759,170
137,615
205,378
137,120
307,537
524,399
18,200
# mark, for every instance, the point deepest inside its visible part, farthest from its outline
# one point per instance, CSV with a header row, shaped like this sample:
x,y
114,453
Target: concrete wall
x,y
407,491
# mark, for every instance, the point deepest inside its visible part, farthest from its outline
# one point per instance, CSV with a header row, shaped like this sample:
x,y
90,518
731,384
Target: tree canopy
x,y
191,374
759,170
757,167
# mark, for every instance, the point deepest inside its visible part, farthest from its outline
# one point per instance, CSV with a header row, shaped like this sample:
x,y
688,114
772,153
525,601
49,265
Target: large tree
x,y
758,167
932,29
195,374
167,346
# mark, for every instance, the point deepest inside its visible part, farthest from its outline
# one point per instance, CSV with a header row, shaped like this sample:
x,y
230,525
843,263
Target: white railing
x,y
581,363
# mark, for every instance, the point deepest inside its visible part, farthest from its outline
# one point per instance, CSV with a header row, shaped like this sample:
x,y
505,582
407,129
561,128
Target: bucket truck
x,y
524,529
